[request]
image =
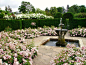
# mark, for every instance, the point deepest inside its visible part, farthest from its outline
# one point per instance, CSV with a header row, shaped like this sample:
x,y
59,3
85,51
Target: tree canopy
x,y
26,7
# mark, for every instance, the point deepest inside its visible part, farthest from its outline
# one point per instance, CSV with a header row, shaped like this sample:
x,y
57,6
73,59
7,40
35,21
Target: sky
x,y
42,4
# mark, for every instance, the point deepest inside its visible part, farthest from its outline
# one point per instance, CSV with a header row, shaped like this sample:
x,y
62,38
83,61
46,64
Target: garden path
x,y
47,53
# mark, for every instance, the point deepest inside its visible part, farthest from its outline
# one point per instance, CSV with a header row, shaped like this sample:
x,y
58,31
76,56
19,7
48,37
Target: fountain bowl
x,y
52,42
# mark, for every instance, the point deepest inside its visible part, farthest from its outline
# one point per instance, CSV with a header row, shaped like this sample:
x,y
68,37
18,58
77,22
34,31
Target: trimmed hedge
x,y
65,18
58,15
40,22
80,15
21,24
77,21
14,24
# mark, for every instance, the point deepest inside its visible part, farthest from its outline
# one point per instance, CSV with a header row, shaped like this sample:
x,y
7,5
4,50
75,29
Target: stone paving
x,y
47,53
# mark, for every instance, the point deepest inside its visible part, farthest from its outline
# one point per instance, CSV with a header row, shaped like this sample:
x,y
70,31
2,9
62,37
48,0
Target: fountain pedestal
x,y
61,33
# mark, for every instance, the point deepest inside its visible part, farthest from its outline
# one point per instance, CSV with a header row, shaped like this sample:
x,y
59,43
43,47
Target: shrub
x,y
58,15
8,29
14,24
80,15
70,56
1,15
26,23
78,32
77,21
67,16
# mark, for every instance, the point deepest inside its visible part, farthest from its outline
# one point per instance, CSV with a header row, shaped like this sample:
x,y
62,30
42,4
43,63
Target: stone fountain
x,y
61,33
61,41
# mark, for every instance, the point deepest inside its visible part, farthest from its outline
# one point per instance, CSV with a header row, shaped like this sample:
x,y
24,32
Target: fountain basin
x,y
52,42
59,30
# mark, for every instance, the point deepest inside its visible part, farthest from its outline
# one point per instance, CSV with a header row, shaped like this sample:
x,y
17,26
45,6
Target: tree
x,y
74,9
60,9
26,7
5,8
82,9
8,9
1,14
58,15
53,11
71,9
40,11
47,12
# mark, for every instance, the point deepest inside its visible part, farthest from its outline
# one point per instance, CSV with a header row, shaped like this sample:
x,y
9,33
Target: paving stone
x,y
47,53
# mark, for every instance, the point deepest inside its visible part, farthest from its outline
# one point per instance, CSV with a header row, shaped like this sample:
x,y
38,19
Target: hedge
x,y
40,22
65,18
14,24
21,24
76,22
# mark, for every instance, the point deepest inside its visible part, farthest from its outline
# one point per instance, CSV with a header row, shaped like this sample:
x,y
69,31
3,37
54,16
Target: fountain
x,y
61,33
61,41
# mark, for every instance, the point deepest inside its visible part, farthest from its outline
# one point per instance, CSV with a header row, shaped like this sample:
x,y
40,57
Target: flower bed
x,y
13,48
14,52
32,33
78,32
70,56
45,31
28,16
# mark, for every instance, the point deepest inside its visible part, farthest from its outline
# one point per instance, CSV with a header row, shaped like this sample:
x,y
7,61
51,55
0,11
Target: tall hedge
x,y
19,24
65,18
40,22
76,22
14,24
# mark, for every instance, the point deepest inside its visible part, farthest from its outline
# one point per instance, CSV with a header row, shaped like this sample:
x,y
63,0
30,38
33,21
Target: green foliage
x,y
21,24
20,59
26,7
60,9
65,17
68,15
8,29
40,22
58,15
1,14
13,24
53,11
77,9
47,12
79,26
40,11
74,9
52,27
80,15
27,63
76,22
11,59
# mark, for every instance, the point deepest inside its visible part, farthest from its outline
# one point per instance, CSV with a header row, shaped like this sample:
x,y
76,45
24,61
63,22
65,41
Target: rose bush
x,y
78,32
13,52
29,33
70,56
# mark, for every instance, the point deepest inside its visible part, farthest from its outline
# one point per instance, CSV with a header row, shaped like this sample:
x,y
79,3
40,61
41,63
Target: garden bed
x,y
14,51
78,32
